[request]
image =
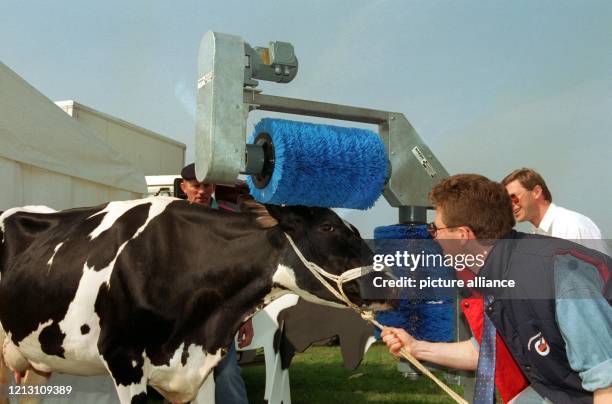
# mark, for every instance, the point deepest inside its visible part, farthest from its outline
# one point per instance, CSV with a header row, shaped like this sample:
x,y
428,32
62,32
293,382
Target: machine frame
x,y
227,92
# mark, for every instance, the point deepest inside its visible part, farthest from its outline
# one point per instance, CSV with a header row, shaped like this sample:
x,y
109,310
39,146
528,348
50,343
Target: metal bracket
x,y
414,168
228,68
221,114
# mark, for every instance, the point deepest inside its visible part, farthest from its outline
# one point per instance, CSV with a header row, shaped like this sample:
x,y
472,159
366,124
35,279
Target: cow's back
x,y
21,227
129,273
46,257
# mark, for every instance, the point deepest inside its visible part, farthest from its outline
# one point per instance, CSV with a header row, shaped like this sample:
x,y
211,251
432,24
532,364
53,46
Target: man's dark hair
x,y
474,201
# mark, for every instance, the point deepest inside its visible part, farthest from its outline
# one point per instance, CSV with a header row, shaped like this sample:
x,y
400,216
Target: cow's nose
x,y
392,294
351,288
394,298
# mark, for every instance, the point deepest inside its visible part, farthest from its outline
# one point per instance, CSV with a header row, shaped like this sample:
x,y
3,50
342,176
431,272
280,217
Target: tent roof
x,y
35,131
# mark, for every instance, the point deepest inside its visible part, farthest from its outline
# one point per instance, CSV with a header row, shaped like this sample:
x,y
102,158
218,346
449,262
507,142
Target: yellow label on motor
x,y
265,55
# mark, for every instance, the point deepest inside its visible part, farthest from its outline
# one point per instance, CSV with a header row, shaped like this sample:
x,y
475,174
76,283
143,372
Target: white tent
x,y
49,158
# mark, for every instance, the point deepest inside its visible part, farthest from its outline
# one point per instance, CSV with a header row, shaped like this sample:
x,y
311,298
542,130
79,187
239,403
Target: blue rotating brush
x,y
428,313
318,165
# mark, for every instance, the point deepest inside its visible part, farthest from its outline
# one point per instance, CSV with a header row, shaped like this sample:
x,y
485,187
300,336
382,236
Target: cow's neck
x,y
231,277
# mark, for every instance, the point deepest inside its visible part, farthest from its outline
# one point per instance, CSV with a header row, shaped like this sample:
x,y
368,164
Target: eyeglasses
x,y
432,229
515,197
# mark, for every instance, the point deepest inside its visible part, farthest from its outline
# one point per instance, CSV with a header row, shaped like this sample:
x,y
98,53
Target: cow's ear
x,y
263,218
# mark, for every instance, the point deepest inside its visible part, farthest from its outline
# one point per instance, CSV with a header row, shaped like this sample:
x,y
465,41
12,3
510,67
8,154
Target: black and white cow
x,y
153,290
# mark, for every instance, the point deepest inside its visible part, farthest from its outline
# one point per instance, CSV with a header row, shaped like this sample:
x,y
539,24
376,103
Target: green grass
x,y
318,377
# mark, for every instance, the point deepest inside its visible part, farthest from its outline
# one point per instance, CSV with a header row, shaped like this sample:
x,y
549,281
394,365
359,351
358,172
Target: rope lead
x,y
351,275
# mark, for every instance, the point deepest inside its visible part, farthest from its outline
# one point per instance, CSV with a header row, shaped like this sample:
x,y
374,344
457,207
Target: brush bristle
x,y
428,313
322,165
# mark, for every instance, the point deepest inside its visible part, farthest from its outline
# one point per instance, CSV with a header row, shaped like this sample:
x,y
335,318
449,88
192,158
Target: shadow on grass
x,y
317,376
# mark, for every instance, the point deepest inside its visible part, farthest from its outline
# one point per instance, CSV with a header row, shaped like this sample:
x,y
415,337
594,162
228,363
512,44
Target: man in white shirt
x,y
532,201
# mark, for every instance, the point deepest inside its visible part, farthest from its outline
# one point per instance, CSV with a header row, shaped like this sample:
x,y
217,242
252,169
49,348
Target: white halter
x,y
321,274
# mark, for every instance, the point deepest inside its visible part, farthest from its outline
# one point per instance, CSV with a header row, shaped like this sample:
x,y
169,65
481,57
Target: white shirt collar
x,y
548,218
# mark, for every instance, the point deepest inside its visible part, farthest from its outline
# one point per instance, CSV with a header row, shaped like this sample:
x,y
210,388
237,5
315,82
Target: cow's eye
x,y
327,227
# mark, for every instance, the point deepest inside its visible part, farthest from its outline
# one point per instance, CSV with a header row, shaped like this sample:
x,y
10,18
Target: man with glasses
x,y
556,325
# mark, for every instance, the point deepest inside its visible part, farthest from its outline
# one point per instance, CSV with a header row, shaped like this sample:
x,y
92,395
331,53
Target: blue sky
x,y
489,85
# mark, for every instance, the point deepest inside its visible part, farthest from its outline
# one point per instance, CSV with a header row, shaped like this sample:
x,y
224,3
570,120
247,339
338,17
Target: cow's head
x,y
328,241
